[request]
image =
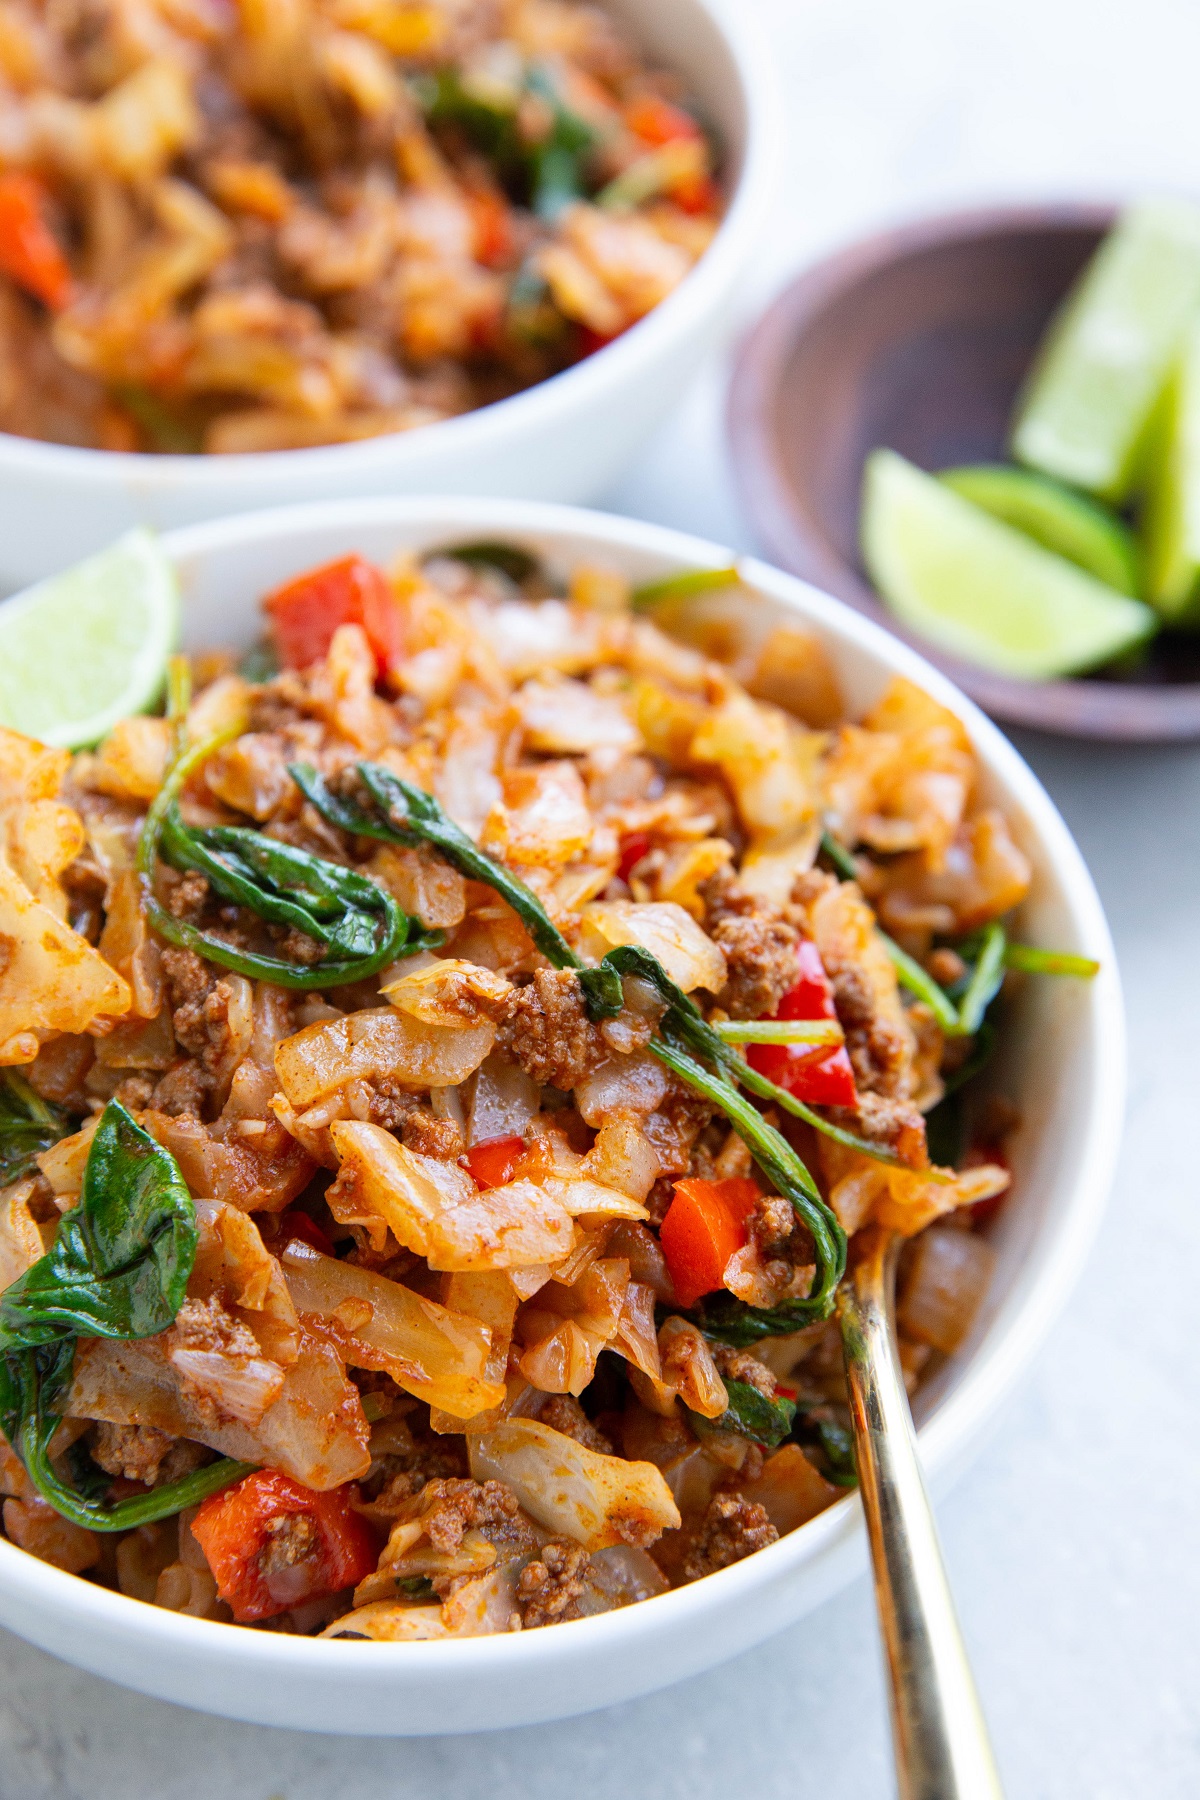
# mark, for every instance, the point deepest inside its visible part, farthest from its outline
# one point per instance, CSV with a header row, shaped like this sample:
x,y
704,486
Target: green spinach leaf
x,y
751,1415
120,1262
516,564
28,1125
356,921
118,1268
819,1428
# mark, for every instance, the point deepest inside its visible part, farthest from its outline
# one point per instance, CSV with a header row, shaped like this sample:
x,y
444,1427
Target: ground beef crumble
x,y
410,1464
186,895
550,1587
200,1017
880,1053
674,1128
731,1529
563,1413
547,1031
291,1538
885,1120
143,1453
759,946
740,1365
421,1130
784,1243
452,1508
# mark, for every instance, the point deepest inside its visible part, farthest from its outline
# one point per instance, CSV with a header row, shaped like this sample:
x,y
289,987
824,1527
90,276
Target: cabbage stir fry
x,y
255,225
445,1059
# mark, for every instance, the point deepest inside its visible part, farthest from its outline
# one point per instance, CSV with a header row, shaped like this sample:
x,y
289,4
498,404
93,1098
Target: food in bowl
x,y
397,1245
284,223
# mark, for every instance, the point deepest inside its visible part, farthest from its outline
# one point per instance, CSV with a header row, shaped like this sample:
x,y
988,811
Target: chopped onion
x,y
20,1240
396,1188
571,718
623,1157
438,1355
422,883
243,1387
626,1084
502,1100
379,1041
543,821
390,1622
446,992
686,952
688,1373
771,763
598,1500
791,1489
944,1284
588,1200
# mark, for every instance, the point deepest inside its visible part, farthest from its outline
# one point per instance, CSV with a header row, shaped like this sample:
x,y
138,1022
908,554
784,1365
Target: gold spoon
x,y
938,1730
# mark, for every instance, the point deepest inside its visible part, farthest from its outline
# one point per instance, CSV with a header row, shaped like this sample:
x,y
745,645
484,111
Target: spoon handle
x,y
938,1729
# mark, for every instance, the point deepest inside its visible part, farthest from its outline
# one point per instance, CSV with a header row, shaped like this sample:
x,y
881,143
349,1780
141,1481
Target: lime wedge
x,y
1055,517
80,651
1171,522
979,589
1108,355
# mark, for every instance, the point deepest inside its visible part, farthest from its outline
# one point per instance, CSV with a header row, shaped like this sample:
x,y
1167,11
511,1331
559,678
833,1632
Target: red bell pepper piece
x,y
589,341
699,194
983,1210
306,612
30,254
296,1224
492,221
490,1163
657,122
704,1226
633,848
818,1077
237,1528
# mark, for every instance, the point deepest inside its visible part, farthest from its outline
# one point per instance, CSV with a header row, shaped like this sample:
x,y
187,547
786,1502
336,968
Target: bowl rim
x,y
527,412
1080,707
991,1369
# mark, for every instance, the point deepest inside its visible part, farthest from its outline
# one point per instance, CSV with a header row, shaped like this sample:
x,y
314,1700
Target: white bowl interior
x,y
1063,1063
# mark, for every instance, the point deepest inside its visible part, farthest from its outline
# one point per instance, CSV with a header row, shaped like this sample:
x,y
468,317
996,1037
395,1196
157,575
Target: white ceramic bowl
x,y
1065,1067
561,440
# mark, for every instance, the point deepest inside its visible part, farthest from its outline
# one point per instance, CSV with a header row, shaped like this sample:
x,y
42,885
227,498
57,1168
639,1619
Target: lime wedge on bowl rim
x,y
1055,517
89,646
982,591
1092,394
1171,520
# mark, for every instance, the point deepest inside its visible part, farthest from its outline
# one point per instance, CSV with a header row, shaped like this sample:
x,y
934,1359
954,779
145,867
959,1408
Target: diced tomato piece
x,y
590,341
490,1163
296,1224
704,1226
976,1155
306,612
818,1077
492,219
657,122
30,254
633,848
237,1528
698,194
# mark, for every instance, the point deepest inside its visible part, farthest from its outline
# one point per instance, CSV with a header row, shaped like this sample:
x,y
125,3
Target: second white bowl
x,y
563,439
